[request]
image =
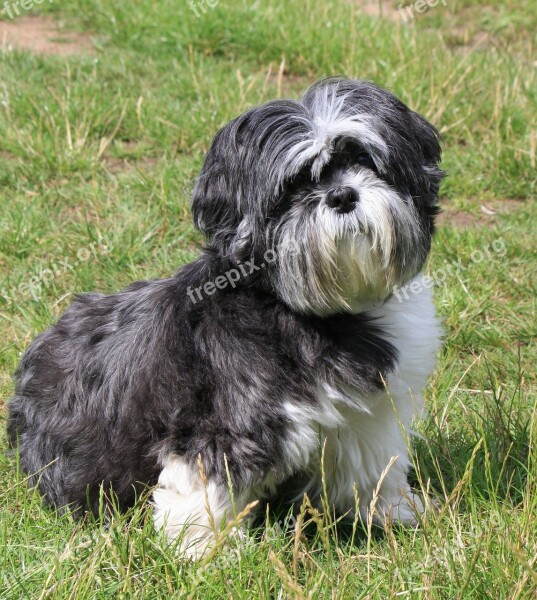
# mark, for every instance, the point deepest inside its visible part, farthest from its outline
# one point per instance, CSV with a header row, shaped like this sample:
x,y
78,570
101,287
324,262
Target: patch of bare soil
x,y
41,35
460,29
463,39
132,159
488,214
6,156
121,165
379,8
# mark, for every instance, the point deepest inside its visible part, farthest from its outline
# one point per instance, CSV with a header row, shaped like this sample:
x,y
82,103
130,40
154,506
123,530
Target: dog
x,y
282,343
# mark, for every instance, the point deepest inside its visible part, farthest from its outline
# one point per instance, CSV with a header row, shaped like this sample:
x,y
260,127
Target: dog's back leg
x,y
192,508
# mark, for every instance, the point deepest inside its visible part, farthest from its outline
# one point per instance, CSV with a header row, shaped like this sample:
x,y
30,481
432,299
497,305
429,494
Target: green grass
x,y
107,146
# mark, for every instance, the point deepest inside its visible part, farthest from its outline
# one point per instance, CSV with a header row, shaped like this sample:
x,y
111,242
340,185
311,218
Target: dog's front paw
x,y
407,509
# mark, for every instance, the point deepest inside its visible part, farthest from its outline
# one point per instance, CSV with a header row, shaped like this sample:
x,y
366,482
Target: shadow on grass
x,y
493,444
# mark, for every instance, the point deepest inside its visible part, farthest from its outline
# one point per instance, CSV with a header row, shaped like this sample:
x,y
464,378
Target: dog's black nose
x,y
342,199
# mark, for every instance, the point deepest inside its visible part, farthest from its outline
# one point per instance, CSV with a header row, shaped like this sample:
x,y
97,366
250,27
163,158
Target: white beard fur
x,y
360,436
351,252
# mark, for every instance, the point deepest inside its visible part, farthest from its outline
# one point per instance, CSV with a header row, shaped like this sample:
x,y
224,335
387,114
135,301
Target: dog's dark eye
x,y
365,159
301,179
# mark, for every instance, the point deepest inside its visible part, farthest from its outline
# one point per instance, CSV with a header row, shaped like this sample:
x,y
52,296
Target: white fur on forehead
x,y
330,119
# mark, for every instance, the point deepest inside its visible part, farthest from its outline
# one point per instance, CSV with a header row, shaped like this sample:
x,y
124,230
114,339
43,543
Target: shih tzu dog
x,y
285,341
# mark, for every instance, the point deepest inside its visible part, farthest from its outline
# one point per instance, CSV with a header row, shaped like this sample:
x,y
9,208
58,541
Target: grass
x,y
98,153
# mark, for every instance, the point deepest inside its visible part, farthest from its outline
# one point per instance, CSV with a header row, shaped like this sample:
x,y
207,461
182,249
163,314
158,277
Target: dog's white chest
x,y
357,435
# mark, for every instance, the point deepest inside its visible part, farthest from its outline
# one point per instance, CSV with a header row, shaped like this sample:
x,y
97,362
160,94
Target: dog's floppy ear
x,y
215,210
219,219
210,209
210,199
221,192
242,243
428,138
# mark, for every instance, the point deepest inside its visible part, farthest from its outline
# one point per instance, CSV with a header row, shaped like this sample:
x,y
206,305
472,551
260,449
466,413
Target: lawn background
x,y
105,144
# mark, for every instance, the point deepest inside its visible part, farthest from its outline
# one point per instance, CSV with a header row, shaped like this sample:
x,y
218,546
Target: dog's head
x,y
342,186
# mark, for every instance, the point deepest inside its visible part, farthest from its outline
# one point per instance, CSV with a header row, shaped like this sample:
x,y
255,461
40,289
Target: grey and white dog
x,y
283,337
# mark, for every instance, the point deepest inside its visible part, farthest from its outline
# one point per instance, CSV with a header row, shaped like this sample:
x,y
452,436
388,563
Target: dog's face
x,y
342,185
